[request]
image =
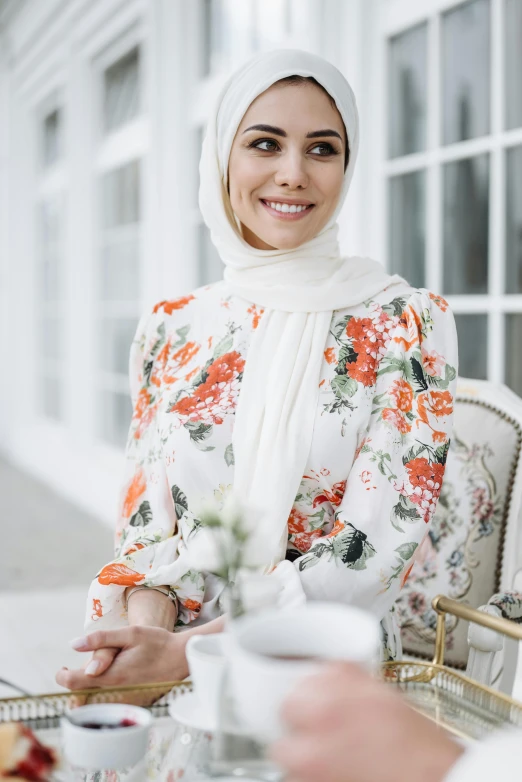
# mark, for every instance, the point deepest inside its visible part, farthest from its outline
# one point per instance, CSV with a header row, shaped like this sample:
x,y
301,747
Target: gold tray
x,y
455,702
41,712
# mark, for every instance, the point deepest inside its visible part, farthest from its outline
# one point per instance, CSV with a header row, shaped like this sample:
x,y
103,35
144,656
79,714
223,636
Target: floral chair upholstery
x,y
472,552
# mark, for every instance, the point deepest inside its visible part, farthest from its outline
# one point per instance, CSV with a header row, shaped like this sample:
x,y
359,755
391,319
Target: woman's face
x,y
286,166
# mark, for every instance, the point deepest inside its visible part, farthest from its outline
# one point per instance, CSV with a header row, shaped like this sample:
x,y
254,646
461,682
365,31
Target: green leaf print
x,y
223,346
412,454
143,515
180,501
450,373
404,511
340,326
441,453
229,455
395,307
350,547
406,551
182,336
347,355
199,432
418,374
343,386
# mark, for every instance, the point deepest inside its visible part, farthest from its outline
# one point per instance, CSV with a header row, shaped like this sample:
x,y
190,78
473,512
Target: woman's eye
x,y
267,145
324,149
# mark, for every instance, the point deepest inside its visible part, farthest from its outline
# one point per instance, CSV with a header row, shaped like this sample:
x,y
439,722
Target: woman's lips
x,y
287,215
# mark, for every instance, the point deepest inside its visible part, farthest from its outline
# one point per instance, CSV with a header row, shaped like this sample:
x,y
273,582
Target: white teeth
x,y
287,207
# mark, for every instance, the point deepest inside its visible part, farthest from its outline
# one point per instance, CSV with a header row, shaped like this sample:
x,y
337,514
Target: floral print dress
x,y
375,469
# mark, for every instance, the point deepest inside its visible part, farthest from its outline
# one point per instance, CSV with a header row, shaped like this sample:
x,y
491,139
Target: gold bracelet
x,y
164,591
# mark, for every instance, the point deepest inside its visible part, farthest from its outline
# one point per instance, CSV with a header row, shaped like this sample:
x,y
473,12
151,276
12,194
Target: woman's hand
x,y
140,655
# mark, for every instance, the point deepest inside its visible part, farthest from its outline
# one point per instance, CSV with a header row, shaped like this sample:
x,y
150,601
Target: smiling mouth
x,y
285,211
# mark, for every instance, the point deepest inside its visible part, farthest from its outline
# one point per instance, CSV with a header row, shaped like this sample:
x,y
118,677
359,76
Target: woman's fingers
x,y
104,639
101,660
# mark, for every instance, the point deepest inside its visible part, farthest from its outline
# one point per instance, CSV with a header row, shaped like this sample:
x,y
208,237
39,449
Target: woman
x,y
319,388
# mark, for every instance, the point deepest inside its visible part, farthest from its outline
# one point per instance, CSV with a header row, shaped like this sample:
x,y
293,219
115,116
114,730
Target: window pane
x,y
50,337
116,414
210,264
466,213
51,397
119,277
121,195
514,220
472,332
122,91
229,33
466,71
271,22
407,227
513,352
407,92
116,336
513,64
52,138
50,250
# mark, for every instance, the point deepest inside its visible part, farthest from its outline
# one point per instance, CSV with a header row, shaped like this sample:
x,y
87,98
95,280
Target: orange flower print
x,y
142,402
334,497
133,548
119,574
97,611
133,494
192,605
296,522
402,393
441,403
337,527
411,323
364,372
439,301
216,393
329,355
426,480
256,315
405,574
396,419
168,307
304,540
433,363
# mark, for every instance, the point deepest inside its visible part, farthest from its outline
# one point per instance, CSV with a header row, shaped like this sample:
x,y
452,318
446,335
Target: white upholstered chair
x,y
474,549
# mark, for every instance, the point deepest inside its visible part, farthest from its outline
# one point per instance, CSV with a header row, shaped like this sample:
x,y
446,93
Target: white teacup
x,y
271,653
206,663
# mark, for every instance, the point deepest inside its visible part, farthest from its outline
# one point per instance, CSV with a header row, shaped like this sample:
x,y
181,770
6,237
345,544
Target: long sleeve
x,y
148,545
395,480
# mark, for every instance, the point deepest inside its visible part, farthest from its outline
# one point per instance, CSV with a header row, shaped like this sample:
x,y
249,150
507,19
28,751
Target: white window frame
x,y
125,144
397,17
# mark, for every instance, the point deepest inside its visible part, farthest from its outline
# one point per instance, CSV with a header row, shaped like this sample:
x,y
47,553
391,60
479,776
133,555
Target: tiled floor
x,y
48,555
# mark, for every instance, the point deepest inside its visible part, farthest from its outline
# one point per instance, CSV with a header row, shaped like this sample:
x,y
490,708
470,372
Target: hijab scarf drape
x,y
299,289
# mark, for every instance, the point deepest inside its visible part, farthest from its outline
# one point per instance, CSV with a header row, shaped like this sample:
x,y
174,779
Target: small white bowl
x,y
116,748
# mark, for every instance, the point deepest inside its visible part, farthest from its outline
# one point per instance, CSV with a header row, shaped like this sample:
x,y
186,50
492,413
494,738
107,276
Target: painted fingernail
x,y
79,643
92,668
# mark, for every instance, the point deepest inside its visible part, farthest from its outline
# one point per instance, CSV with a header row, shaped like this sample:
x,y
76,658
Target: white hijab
x,y
299,290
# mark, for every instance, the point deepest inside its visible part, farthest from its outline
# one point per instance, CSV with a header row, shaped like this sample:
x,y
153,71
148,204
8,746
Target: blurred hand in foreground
x,y
344,726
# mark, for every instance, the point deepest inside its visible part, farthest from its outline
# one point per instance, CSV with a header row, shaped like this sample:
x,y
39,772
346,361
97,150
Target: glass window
x,y
116,336
514,220
52,138
466,214
119,277
51,402
228,33
406,227
116,410
407,91
466,71
513,354
472,332
50,219
121,195
271,23
513,64
210,264
121,100
50,337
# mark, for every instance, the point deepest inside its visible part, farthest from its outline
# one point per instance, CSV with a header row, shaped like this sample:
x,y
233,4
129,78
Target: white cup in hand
x,y
270,653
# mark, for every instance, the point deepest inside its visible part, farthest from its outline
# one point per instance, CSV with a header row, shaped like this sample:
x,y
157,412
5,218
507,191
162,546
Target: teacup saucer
x,y
188,710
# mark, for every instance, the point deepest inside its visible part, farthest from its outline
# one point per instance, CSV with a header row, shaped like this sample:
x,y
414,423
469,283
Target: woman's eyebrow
x,y
281,132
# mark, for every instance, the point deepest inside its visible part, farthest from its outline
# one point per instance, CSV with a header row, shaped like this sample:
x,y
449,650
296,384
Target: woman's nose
x,y
291,172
